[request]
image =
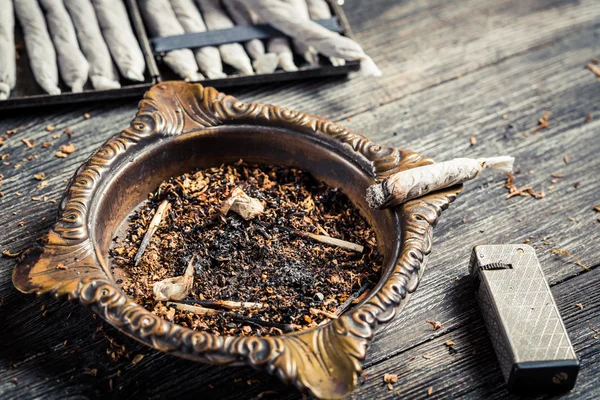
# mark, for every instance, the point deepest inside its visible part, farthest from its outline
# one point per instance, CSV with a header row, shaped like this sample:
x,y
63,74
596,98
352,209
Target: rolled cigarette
x,y
8,62
226,304
72,65
304,49
120,39
208,57
416,182
216,18
162,21
40,50
194,309
103,72
319,9
263,62
282,47
282,15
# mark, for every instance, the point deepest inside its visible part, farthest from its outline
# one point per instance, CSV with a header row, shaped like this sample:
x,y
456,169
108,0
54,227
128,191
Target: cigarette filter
x,y
526,329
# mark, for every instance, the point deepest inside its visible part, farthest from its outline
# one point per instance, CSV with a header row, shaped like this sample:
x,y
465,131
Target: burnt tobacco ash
x,y
298,281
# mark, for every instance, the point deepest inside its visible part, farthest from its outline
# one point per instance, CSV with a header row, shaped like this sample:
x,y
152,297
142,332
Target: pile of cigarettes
x,y
78,40
73,38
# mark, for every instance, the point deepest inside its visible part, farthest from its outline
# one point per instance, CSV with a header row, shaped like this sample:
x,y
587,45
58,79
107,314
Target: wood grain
x,y
451,71
490,217
422,44
471,370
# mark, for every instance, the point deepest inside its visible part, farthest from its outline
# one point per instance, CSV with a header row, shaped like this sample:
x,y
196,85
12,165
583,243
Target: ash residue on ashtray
x,y
291,266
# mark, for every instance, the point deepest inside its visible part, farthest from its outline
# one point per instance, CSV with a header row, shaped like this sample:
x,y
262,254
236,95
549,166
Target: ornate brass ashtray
x,y
180,127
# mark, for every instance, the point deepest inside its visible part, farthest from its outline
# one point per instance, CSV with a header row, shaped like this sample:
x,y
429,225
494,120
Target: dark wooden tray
x,y
27,93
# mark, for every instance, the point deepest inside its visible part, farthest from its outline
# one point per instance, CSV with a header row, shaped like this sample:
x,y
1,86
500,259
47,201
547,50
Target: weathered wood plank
x,y
472,370
435,125
425,43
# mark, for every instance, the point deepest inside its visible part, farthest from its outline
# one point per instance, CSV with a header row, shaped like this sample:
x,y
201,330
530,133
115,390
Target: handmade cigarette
x,y
216,18
240,203
263,62
333,241
282,47
120,39
154,223
162,21
40,50
227,304
319,9
177,288
72,65
208,57
416,182
103,73
304,49
194,309
282,16
8,61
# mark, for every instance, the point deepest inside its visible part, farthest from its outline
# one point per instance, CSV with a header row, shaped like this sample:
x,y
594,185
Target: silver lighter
x,y
527,332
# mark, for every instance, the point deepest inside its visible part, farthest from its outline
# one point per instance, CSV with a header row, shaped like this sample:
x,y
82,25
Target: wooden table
x,y
453,71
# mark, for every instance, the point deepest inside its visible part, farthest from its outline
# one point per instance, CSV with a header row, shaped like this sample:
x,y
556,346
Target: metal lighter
x,y
527,332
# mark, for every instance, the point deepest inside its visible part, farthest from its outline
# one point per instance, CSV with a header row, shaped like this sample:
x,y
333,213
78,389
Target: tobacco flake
x,y
594,69
137,359
389,379
28,143
568,254
8,253
67,148
543,122
434,324
525,192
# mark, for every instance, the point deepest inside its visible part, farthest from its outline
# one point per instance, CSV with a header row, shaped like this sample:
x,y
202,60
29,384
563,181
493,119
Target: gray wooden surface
x,y
452,70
